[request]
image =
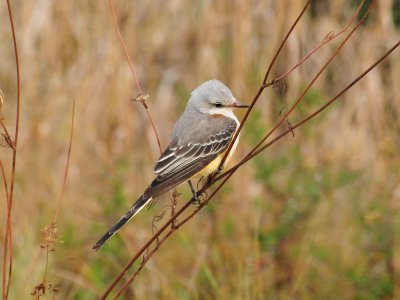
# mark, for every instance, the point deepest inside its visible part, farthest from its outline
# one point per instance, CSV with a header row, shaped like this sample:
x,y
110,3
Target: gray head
x,y
213,96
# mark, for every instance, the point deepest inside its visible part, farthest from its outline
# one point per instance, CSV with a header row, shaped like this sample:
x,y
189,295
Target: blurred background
x,y
313,217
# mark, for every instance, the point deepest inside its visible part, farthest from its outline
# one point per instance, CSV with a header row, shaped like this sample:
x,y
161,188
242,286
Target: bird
x,y
196,148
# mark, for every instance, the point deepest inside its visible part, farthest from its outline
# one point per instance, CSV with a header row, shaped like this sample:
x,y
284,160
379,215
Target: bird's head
x,y
213,97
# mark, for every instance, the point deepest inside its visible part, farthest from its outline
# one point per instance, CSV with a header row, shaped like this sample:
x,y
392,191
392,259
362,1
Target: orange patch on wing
x,y
216,116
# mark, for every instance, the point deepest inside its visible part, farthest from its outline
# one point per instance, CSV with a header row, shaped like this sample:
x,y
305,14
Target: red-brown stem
x,y
264,84
325,41
143,249
5,183
125,48
301,97
312,115
230,172
165,226
145,260
171,220
57,212
141,94
153,125
7,135
14,158
6,237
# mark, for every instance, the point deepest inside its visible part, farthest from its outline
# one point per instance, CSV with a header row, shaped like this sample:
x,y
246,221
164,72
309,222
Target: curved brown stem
x,y
141,97
328,38
6,289
264,83
230,172
66,166
301,97
225,177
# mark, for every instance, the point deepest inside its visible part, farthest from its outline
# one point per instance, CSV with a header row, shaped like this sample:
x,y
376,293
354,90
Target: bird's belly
x,y
213,166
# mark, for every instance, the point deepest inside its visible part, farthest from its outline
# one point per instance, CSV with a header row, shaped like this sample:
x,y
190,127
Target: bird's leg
x,y
194,192
210,179
220,169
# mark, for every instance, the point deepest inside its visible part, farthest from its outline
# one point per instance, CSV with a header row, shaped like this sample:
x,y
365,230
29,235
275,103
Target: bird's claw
x,y
219,170
195,201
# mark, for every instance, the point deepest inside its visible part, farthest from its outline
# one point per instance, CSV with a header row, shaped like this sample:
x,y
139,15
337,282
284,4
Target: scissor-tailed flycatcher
x,y
197,145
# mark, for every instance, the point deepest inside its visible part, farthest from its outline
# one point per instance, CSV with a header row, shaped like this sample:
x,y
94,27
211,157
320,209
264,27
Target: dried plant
x,y
91,272
8,249
141,97
50,232
158,239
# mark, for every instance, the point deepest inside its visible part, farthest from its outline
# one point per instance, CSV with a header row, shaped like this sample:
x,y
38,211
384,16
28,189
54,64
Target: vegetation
x,y
313,217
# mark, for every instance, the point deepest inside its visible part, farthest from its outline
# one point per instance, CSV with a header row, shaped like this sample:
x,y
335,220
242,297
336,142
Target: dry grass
x,y
313,217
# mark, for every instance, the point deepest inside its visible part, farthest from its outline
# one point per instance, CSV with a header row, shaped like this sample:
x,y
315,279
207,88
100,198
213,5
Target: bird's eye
x,y
218,104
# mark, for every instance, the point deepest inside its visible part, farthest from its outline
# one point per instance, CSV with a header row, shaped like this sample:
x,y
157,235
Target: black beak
x,y
238,104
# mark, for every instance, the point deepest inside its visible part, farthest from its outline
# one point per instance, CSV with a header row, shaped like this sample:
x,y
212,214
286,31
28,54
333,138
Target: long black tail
x,y
139,204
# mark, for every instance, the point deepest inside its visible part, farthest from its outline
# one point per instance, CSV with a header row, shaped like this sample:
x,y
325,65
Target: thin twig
x,y
184,207
144,261
228,174
312,115
57,212
141,97
234,169
125,48
144,248
264,84
49,232
7,136
327,63
14,157
5,182
328,38
6,237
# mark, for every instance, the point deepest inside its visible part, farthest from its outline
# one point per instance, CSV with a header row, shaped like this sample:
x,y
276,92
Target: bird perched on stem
x,y
197,146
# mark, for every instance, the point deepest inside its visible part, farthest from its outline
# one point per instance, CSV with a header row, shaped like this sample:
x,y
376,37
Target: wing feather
x,y
182,160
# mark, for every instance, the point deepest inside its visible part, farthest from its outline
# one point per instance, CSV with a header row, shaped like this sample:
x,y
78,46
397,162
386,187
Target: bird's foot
x,y
219,170
195,200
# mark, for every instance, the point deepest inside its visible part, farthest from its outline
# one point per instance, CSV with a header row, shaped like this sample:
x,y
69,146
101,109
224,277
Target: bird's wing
x,y
189,154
